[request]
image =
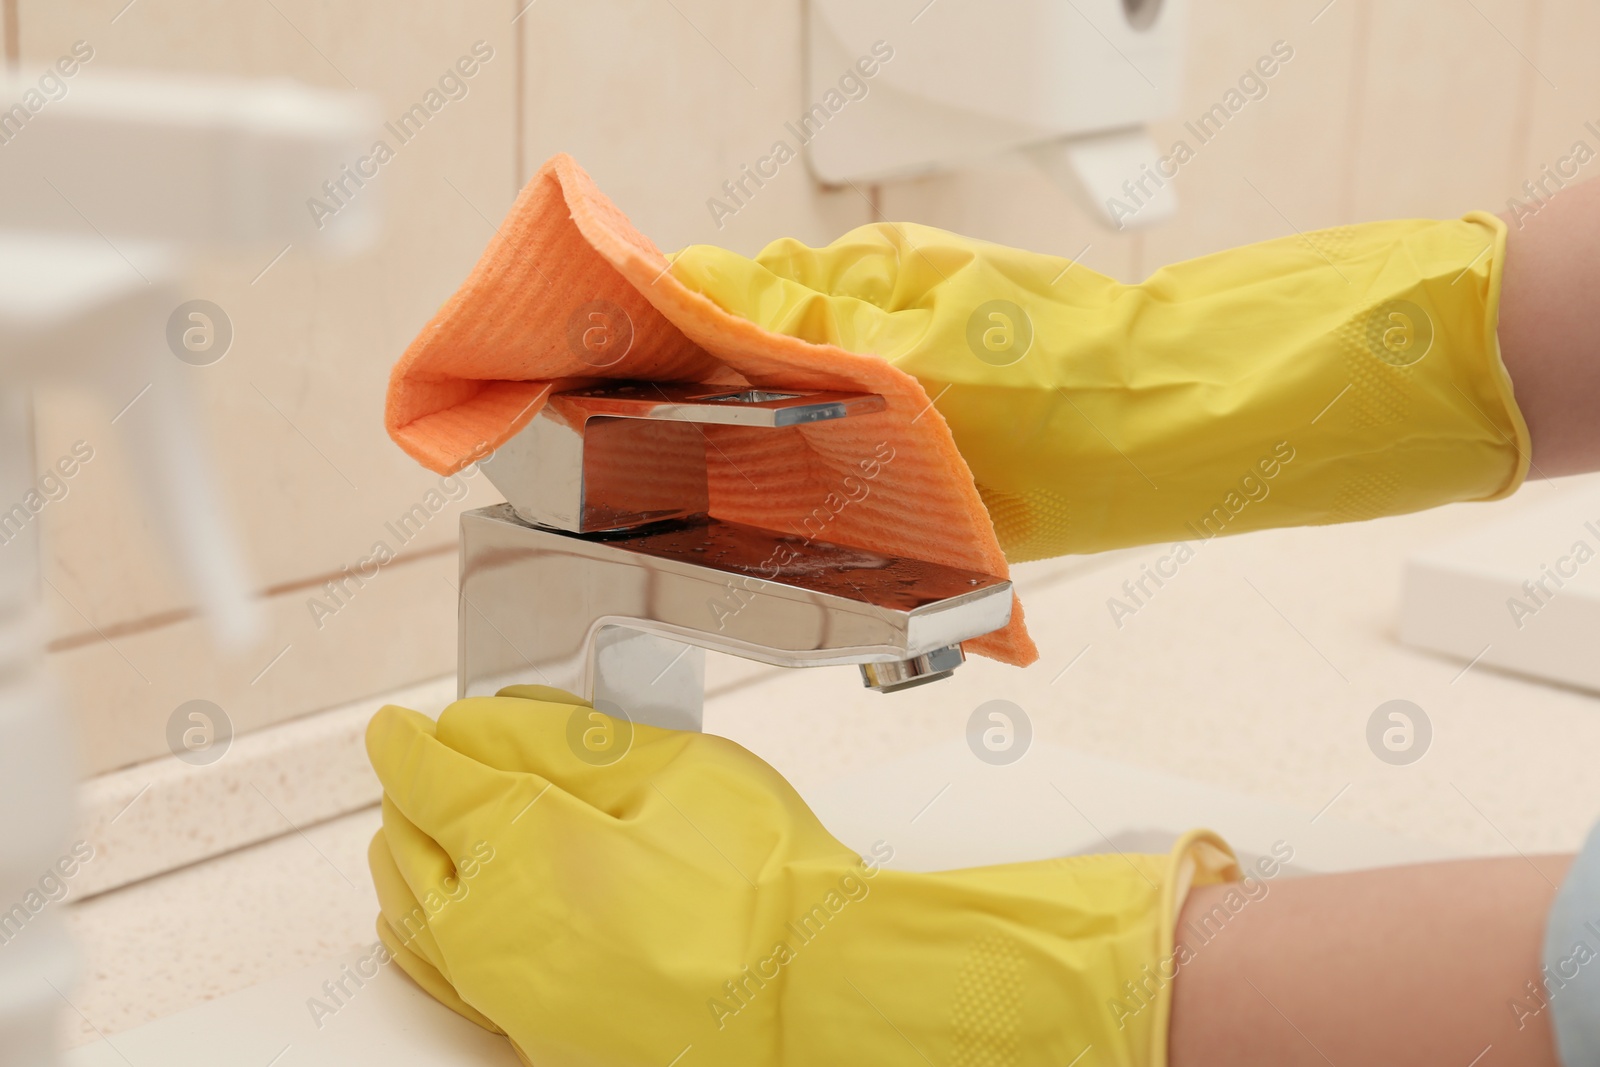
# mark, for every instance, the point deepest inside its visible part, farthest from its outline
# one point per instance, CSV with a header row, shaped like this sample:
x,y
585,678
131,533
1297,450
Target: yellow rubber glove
x,y
403,919
1339,375
664,897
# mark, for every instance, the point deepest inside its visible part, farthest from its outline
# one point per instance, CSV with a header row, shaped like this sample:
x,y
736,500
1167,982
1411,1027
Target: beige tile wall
x,y
295,408
1431,107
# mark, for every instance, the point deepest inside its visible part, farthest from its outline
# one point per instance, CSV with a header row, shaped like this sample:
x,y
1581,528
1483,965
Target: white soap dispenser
x,y
899,88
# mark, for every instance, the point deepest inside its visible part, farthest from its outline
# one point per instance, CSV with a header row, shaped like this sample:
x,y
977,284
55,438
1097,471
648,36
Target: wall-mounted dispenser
x,y
908,87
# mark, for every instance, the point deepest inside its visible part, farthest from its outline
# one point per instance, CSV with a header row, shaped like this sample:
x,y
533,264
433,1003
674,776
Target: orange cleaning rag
x,y
565,264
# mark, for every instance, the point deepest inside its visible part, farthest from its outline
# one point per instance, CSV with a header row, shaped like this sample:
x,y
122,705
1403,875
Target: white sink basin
x,y
942,808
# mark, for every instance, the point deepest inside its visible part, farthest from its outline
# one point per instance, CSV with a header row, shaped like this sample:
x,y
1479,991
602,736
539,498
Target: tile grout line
x,y
1359,67
13,35
519,90
1522,121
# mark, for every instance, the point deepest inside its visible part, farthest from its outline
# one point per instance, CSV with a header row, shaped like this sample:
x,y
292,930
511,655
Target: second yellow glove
x,y
1338,375
667,898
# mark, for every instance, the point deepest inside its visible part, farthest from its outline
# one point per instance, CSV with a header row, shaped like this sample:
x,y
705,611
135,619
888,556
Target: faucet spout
x,y
625,620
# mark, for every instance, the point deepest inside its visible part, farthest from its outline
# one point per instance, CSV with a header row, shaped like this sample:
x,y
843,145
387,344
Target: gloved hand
x,y
666,897
1338,375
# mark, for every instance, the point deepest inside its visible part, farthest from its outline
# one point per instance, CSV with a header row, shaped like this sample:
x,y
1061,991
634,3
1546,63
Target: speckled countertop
x,y
1256,669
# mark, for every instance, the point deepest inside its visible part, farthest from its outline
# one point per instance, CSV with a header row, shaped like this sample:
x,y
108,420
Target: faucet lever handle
x,y
716,405
621,455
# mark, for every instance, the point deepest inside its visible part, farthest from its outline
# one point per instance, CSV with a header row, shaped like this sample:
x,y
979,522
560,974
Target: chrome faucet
x,y
603,573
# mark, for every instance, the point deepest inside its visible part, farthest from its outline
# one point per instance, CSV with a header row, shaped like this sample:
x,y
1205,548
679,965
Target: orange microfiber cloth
x,y
565,258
